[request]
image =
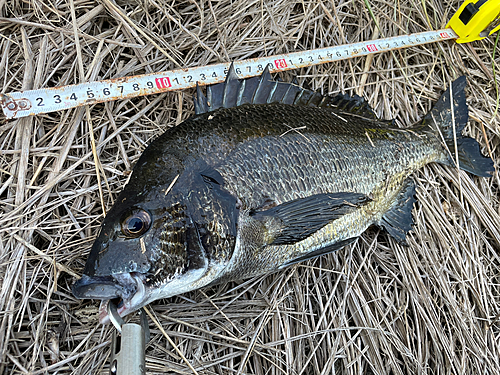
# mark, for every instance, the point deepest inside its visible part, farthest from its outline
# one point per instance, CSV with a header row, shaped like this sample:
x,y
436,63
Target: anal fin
x,y
398,220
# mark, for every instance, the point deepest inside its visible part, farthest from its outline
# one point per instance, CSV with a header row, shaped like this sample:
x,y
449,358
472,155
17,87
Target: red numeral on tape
x,y
444,35
372,47
280,64
163,83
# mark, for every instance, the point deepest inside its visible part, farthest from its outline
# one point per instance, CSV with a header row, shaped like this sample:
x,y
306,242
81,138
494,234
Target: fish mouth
x,y
128,291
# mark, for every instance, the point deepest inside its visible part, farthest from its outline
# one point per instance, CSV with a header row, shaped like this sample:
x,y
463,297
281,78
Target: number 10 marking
x,y
163,83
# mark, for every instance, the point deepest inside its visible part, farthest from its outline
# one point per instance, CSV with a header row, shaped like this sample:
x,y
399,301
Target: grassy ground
x,y
371,308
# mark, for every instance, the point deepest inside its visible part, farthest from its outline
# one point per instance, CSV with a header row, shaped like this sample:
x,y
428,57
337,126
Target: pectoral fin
x,y
398,220
296,220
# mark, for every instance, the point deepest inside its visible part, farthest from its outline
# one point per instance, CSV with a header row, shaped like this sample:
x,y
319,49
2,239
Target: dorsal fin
x,y
234,92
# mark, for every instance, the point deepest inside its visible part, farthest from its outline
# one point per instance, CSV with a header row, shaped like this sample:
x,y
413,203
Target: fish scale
x,y
316,160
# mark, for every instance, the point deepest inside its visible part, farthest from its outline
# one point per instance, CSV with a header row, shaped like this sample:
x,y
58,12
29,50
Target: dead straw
x,y
374,307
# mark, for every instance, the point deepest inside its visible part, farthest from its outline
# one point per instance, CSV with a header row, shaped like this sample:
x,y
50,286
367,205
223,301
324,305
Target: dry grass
x,y
373,308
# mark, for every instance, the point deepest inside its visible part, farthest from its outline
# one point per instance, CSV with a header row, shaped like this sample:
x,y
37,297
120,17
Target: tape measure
x,y
471,20
21,104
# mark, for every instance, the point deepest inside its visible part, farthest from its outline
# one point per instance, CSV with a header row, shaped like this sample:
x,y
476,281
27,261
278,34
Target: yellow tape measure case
x,y
476,20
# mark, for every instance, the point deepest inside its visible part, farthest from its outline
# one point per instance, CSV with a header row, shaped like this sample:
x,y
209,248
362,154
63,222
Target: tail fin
x,y
441,116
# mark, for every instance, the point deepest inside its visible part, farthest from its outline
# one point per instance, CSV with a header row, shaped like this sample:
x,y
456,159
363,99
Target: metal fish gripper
x,y
128,348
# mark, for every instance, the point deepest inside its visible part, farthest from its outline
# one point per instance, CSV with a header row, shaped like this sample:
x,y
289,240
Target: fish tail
x,y
449,117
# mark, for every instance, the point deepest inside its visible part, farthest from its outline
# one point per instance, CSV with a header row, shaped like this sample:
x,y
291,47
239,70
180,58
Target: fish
x,y
266,174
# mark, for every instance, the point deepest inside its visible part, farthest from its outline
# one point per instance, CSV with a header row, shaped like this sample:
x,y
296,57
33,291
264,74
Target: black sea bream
x,y
266,174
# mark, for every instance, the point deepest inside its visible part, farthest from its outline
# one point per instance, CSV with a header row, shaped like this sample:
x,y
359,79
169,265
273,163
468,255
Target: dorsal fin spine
x,y
298,96
209,98
200,101
231,89
290,94
240,93
269,99
262,92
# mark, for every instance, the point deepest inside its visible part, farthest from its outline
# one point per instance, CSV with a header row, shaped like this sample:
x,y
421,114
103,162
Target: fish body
x,y
267,174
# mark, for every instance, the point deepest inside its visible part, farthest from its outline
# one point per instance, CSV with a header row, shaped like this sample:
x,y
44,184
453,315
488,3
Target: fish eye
x,y
136,223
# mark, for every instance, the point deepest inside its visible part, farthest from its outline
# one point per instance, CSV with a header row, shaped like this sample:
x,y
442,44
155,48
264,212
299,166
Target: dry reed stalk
x,y
373,307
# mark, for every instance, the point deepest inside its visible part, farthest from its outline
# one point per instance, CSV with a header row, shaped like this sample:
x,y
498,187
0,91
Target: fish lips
x,y
127,289
101,287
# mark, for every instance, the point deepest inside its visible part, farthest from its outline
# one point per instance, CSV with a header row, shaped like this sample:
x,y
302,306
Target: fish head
x,y
160,242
